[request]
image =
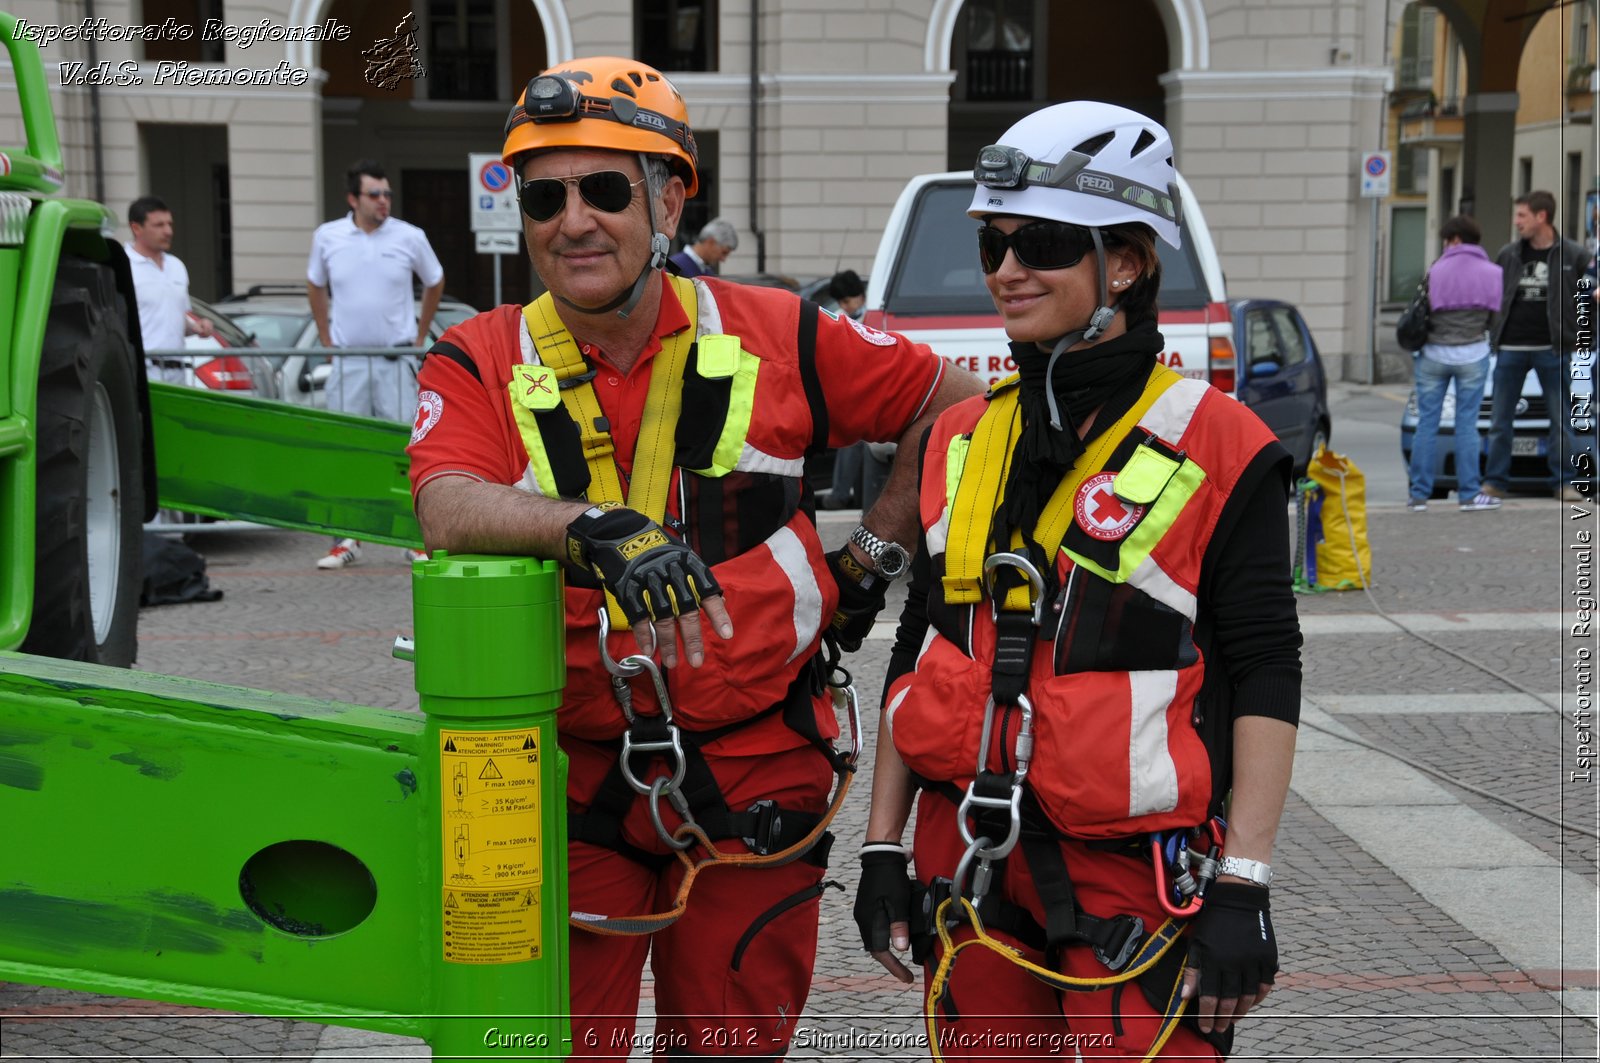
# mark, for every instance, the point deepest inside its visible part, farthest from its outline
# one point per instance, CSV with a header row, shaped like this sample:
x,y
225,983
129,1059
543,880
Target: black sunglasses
x,y
607,190
1039,245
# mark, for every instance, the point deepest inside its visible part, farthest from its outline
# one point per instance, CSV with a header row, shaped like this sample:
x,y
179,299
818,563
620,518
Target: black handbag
x,y
1412,329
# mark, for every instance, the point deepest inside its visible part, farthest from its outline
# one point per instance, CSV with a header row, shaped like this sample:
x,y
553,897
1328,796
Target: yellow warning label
x,y
492,865
491,926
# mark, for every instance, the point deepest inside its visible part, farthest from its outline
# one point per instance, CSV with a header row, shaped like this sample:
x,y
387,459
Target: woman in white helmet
x,y
1096,681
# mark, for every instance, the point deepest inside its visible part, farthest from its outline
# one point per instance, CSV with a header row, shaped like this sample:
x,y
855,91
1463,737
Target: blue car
x,y
1281,375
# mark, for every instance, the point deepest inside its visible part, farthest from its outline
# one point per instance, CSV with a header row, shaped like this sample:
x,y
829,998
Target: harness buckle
x,y
1128,932
769,822
1017,561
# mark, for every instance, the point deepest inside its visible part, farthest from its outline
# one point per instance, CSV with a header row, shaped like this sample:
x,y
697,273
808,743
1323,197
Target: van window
x,y
938,268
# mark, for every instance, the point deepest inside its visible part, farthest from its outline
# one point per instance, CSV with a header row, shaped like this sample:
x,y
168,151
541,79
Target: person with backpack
x,y
1463,293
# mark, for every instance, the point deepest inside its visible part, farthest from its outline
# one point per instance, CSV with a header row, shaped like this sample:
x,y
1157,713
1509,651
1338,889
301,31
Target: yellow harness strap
x,y
977,495
653,453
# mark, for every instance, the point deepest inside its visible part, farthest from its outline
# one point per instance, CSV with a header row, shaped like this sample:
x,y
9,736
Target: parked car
x,y
1530,439
1282,376
209,362
280,316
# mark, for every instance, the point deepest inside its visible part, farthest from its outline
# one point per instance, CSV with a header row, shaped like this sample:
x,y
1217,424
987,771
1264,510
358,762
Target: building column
x,y
1488,139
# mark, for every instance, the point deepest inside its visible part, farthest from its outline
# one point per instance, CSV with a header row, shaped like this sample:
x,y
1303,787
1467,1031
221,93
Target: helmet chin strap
x,y
1099,321
659,246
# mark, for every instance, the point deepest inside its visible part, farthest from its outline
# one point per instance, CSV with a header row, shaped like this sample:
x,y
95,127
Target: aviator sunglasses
x,y
607,190
1039,245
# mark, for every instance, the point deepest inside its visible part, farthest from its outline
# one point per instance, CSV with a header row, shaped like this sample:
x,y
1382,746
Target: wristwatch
x,y
1254,870
889,558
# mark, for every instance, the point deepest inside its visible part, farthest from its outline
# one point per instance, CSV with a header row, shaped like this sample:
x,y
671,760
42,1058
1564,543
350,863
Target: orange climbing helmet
x,y
604,102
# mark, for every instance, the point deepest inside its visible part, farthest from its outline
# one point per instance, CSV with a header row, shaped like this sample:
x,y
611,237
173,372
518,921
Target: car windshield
x,y
273,330
938,270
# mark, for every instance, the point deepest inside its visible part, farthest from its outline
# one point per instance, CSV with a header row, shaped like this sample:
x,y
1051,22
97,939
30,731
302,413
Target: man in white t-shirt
x,y
363,264
161,282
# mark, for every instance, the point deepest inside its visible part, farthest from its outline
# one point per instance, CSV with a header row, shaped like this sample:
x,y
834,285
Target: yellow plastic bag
x,y
1332,551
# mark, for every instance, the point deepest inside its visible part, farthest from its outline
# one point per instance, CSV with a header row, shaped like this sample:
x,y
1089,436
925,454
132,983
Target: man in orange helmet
x,y
650,432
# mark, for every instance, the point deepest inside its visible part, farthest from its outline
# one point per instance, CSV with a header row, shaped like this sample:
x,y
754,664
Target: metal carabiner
x,y
1010,559
845,697
980,880
655,793
1023,754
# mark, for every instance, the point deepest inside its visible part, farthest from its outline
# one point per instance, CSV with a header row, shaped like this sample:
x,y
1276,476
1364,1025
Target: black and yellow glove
x,y
862,594
651,575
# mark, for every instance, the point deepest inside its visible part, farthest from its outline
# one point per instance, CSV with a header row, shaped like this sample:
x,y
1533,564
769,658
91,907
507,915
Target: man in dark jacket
x,y
1537,329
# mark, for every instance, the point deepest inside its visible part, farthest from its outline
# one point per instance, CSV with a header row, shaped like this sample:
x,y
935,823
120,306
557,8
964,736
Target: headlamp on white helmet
x,y
1091,164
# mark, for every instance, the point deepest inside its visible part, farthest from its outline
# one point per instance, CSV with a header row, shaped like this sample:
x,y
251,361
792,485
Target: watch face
x,y
893,560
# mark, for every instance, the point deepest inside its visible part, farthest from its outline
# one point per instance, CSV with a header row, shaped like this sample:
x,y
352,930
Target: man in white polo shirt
x,y
161,282
365,261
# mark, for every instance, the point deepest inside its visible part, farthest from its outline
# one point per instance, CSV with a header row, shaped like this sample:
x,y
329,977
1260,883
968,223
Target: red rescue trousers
x,y
733,973
994,1009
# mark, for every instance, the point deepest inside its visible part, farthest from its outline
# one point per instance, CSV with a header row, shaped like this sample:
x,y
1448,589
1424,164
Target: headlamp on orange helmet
x,y
644,114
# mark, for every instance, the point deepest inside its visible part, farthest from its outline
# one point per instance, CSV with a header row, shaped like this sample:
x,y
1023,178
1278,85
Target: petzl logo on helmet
x,y
996,201
1101,513
645,118
1093,182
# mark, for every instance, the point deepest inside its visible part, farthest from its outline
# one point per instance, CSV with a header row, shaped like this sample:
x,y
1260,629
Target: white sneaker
x,y
344,553
416,555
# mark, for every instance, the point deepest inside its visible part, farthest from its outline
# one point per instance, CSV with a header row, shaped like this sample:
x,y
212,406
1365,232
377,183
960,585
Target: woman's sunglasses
x,y
607,190
1039,245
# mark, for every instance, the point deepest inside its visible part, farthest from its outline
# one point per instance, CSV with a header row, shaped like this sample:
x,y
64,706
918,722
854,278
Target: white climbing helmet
x,y
1083,162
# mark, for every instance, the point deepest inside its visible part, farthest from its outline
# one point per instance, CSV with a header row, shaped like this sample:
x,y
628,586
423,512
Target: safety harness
x,y
560,420
999,804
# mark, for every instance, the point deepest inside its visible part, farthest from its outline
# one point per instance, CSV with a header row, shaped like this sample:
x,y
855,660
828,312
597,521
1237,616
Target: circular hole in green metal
x,y
308,889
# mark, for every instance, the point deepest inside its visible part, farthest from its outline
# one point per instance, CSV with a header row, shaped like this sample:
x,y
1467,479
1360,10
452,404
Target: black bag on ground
x,y
1412,329
173,573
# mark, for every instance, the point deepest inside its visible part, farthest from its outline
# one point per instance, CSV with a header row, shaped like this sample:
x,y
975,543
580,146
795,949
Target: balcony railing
x,y
999,75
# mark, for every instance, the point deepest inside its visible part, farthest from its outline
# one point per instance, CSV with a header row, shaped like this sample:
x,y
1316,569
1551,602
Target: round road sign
x,y
495,176
1376,165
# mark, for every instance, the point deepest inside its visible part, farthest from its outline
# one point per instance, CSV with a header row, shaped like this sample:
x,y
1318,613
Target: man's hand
x,y
659,582
203,328
883,907
1233,954
861,596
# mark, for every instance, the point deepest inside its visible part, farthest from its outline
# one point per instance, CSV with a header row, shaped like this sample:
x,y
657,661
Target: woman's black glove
x,y
1232,945
861,598
883,898
651,574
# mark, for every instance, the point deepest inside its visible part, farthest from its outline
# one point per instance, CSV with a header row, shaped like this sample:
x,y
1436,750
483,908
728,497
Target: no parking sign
x,y
493,194
1375,170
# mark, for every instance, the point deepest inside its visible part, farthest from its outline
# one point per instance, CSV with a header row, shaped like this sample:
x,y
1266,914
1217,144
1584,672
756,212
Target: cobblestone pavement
x,y
1419,918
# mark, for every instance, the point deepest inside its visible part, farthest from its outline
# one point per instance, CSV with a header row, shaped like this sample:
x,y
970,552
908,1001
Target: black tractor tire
x,y
90,499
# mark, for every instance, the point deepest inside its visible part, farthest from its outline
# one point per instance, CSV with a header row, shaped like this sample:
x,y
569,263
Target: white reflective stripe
x,y
753,460
710,323
1152,776
1170,415
790,554
927,640
889,710
938,536
530,354
528,482
1153,580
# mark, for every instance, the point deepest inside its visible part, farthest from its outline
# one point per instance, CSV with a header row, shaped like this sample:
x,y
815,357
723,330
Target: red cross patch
x,y
429,407
1101,513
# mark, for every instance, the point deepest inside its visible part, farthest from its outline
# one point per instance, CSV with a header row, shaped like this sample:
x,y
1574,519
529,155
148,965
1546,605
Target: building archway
x,y
1011,56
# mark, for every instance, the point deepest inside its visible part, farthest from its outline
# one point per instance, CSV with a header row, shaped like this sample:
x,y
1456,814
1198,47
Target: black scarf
x,y
1108,377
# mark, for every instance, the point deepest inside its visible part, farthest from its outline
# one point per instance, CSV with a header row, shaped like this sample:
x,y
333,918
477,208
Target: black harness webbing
x,y
765,827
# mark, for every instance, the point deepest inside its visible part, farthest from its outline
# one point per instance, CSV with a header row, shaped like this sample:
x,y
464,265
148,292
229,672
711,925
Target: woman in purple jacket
x,y
1463,291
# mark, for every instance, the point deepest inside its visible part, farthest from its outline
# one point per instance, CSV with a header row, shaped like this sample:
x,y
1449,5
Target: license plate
x,y
1527,446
